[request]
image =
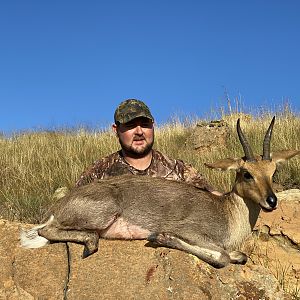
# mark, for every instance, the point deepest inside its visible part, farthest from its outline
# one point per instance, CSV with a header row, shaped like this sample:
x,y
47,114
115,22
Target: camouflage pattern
x,y
131,109
161,166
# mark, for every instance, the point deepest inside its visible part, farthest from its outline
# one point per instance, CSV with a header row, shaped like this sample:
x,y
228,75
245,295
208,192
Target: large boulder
x,y
134,270
277,241
208,135
211,135
29,274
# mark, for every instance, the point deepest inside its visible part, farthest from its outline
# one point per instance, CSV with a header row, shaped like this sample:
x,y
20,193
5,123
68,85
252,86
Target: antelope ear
x,y
225,164
283,155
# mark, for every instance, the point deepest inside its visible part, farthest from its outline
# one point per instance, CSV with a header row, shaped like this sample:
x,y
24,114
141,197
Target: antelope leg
x,y
90,239
206,251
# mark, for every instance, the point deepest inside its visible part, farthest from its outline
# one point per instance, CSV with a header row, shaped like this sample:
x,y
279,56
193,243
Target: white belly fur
x,y
121,229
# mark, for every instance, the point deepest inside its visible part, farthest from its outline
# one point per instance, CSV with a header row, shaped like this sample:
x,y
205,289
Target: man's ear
x,y
225,164
114,128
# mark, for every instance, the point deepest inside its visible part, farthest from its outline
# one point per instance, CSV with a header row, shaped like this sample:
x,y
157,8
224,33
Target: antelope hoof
x,y
238,257
153,237
87,252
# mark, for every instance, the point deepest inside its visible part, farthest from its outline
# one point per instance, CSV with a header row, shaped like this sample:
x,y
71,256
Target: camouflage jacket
x,y
160,166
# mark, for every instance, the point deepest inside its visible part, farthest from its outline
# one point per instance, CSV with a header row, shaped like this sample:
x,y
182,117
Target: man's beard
x,y
137,152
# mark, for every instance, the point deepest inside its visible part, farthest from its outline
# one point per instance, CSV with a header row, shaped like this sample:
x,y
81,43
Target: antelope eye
x,y
248,176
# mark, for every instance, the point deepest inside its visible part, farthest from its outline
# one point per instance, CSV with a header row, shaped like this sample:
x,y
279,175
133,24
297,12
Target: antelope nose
x,y
272,201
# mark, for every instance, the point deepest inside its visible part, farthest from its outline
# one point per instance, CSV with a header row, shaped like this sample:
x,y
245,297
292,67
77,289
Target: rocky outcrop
x,y
29,274
133,270
208,135
277,242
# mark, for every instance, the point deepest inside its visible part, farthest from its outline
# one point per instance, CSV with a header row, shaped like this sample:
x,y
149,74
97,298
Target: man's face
x,y
136,136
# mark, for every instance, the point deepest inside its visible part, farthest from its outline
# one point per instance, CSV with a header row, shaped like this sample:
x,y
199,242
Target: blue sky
x,y
70,63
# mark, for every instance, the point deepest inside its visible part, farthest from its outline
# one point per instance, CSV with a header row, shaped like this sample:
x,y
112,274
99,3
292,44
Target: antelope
x,y
169,213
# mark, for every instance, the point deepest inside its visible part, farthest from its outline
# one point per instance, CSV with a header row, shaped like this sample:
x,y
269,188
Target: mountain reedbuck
x,y
169,213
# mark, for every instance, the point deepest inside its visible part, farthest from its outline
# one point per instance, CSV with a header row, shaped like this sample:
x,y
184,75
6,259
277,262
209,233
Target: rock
x,y
285,220
208,135
165,274
123,270
289,195
60,192
277,242
29,274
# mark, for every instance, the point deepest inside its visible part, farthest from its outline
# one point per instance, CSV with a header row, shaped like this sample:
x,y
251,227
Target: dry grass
x,y
34,164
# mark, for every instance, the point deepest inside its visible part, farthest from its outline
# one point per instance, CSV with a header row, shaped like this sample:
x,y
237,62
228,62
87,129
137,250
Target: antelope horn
x,y
247,149
267,140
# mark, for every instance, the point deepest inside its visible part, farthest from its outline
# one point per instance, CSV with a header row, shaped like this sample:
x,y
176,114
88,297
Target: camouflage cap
x,y
131,109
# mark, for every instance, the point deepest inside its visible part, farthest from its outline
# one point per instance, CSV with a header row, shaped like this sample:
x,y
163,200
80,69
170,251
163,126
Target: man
x,y
134,127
